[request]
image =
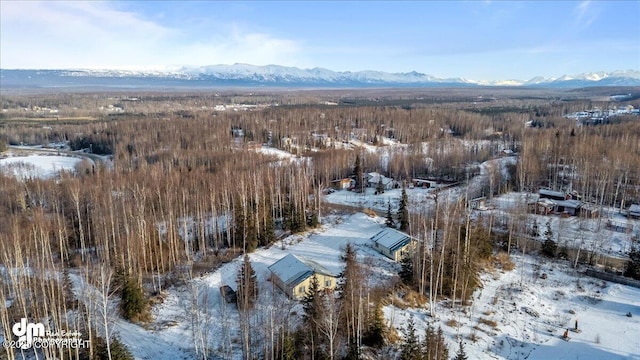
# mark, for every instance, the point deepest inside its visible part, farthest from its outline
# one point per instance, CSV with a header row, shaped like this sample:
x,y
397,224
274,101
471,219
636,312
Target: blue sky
x,y
480,40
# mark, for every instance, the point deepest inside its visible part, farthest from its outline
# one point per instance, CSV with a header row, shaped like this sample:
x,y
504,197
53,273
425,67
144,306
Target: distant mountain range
x,y
281,76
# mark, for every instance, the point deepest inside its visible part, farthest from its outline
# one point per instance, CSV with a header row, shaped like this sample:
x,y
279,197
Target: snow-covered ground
x,y
284,157
176,317
588,234
521,315
419,199
42,166
531,305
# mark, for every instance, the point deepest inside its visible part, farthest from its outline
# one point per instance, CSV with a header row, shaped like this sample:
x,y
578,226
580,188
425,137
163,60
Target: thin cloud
x,y
96,35
585,13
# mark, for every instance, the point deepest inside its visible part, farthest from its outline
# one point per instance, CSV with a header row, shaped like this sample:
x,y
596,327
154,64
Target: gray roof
x,y
391,239
293,270
375,177
548,192
576,204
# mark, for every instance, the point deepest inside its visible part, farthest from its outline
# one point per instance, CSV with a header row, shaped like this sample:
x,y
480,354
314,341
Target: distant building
x,y
557,202
424,183
478,203
293,275
553,195
571,207
393,244
373,179
343,184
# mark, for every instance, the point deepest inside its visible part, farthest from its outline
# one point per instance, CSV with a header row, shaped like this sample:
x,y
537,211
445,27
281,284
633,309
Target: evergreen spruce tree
x,y
312,305
251,239
247,285
406,270
288,349
350,290
118,350
633,265
535,232
442,349
548,234
376,328
410,348
403,211
239,219
357,171
461,355
380,186
389,222
133,303
434,346
549,246
293,217
311,301
267,234
312,219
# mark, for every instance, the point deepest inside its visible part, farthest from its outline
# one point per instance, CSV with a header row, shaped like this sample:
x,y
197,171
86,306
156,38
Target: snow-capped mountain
x,y
275,75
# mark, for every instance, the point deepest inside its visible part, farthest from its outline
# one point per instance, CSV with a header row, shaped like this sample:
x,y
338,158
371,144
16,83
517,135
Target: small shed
x,y
343,184
393,244
634,211
424,183
478,203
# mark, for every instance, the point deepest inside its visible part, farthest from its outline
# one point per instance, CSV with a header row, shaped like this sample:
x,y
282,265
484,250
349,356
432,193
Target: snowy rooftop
x,y
293,270
634,209
548,192
569,203
391,239
375,177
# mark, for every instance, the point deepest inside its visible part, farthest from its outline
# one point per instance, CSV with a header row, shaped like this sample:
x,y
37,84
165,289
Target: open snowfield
x,y
532,313
574,232
37,165
419,199
284,157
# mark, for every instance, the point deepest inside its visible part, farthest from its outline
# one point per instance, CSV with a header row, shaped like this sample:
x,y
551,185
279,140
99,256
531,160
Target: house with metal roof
x,y
393,244
293,275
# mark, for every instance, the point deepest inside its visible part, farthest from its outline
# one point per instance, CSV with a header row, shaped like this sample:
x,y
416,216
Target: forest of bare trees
x,y
179,193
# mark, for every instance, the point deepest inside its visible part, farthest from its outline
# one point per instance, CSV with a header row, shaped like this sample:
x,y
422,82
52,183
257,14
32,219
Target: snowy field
x,y
574,232
521,315
420,200
37,165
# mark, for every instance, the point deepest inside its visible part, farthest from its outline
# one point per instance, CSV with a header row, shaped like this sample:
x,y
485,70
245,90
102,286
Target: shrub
x,y
549,248
503,260
488,322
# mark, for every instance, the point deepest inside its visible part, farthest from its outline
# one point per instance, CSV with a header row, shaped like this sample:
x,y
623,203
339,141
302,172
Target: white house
x,y
373,179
